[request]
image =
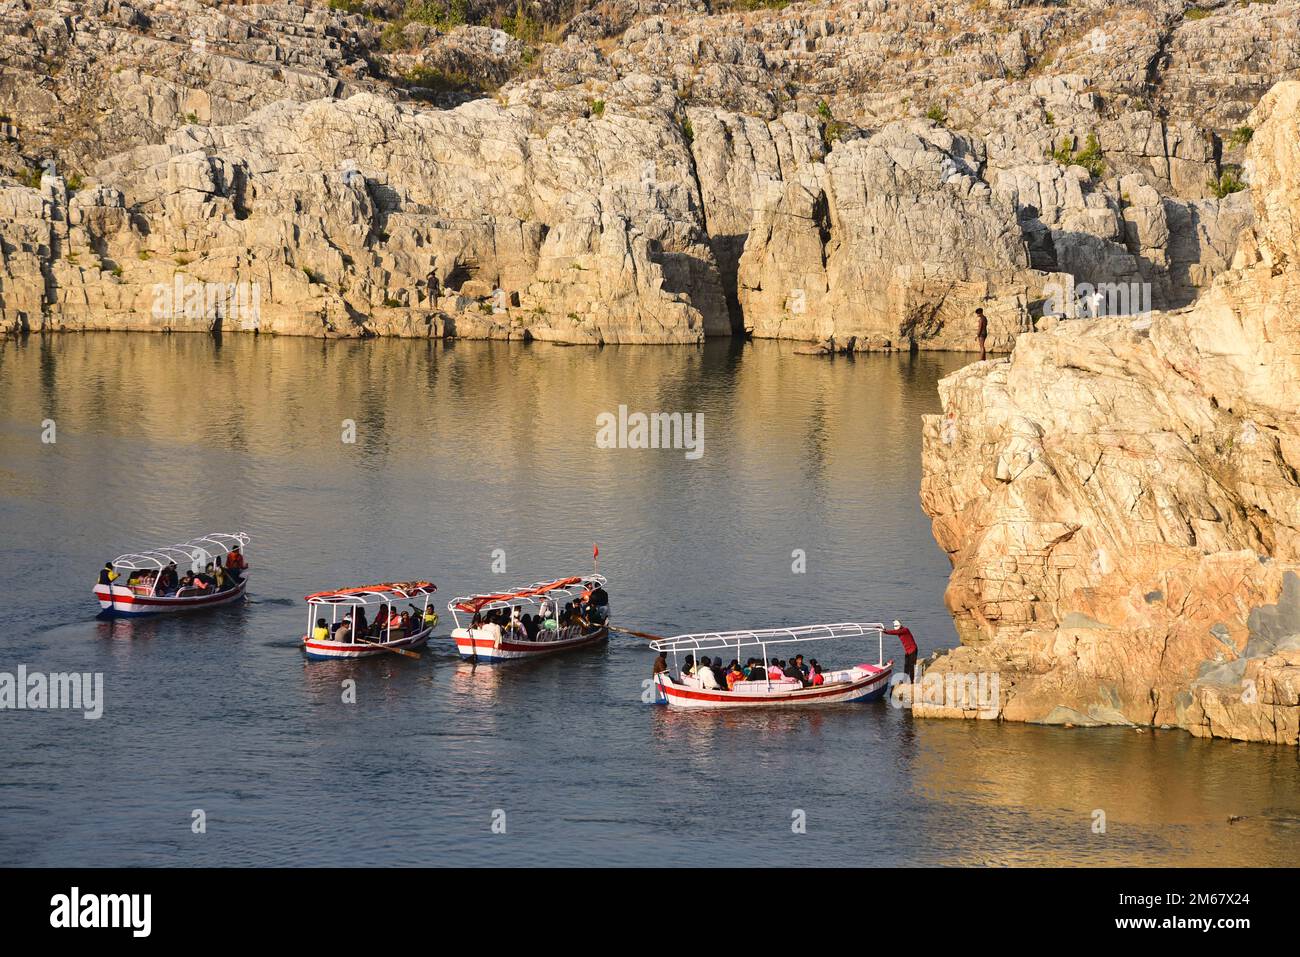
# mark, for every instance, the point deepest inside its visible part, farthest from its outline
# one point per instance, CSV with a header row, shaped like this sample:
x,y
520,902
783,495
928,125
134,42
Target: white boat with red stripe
x,y
335,626
137,584
499,631
862,682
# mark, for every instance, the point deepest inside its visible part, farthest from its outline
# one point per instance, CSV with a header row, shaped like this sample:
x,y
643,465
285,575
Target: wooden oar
x,y
396,651
636,634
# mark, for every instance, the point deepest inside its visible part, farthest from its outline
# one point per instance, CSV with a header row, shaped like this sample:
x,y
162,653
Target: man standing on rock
x,y
982,331
904,635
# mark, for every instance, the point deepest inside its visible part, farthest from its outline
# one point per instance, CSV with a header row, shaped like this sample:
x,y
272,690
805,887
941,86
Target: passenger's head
x,y
798,659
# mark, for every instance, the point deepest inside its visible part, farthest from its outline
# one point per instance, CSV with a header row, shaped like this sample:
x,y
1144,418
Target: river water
x,y
802,508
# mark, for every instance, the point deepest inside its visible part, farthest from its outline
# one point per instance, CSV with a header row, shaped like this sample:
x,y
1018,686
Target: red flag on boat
x,y
595,551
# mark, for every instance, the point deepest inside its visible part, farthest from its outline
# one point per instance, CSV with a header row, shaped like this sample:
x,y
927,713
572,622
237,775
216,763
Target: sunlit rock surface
x,y
866,171
1121,502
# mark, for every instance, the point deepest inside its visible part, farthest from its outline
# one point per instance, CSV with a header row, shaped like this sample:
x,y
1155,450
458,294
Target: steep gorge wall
x,y
659,174
1121,498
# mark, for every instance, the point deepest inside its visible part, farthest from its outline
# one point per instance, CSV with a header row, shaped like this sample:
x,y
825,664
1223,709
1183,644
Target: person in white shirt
x,y
493,631
704,673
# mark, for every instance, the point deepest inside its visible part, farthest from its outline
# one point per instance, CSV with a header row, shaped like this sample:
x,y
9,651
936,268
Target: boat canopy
x,y
724,640
381,594
534,594
196,551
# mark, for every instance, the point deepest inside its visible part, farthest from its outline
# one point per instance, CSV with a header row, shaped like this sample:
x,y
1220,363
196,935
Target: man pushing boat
x,y
909,647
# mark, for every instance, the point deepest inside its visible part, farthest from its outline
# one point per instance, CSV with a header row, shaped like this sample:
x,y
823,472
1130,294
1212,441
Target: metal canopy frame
x,y
156,559
362,596
762,637
365,595
534,594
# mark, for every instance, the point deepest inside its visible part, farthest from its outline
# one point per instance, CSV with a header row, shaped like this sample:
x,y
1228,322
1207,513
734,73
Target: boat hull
x,y
862,683
475,646
118,601
333,650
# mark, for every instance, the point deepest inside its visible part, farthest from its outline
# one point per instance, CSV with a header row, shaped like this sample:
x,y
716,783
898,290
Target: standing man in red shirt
x,y
909,647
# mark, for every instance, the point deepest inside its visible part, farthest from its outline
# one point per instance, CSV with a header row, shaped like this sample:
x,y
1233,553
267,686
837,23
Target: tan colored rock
x,y
1120,498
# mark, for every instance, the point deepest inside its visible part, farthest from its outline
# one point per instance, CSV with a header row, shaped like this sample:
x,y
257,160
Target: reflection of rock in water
x,y
1160,794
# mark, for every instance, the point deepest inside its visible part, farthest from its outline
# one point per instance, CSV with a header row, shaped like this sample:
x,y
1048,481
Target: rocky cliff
x,y
637,171
1121,502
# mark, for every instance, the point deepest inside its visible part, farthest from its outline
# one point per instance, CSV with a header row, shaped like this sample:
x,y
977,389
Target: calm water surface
x,y
462,450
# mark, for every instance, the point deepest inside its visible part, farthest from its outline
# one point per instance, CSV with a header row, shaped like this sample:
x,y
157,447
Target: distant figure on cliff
x,y
981,331
904,635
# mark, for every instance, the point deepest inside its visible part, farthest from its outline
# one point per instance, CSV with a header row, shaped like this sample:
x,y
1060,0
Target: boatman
x,y
235,563
904,635
106,575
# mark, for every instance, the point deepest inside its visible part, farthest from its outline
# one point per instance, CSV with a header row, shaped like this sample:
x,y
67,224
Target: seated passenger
x,y
321,632
774,670
688,668
167,580
817,678
708,680
802,668
734,674
493,631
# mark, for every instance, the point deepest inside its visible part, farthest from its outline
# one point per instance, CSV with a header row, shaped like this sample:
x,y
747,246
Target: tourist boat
x,y
864,682
478,641
135,592
346,602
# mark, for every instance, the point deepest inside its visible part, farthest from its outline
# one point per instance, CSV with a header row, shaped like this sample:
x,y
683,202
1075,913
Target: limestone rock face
x,y
1121,501
892,239
363,216
699,138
